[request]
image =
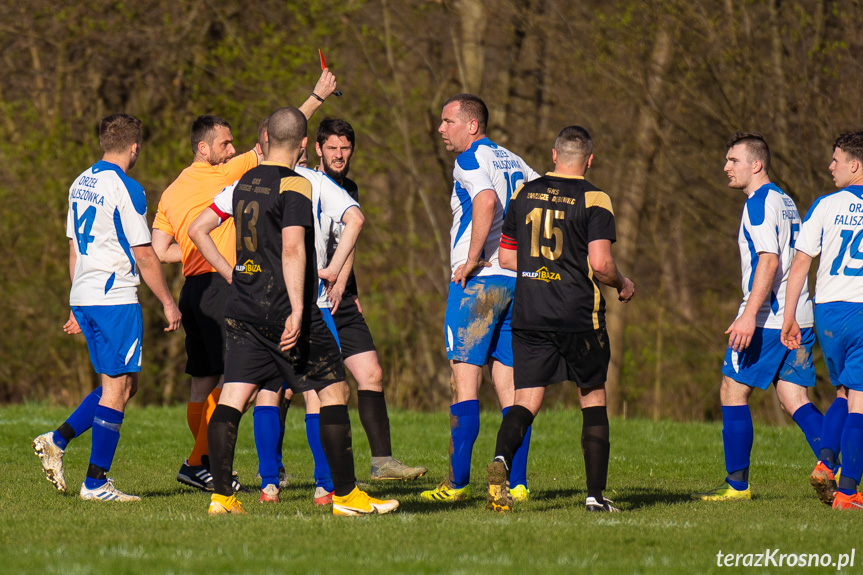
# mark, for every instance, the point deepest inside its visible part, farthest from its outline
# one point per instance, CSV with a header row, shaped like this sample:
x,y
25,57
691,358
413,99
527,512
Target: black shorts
x,y
354,334
202,303
541,358
252,355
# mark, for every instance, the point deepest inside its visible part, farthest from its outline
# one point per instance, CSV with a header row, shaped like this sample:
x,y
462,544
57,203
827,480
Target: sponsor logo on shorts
x,y
248,267
542,274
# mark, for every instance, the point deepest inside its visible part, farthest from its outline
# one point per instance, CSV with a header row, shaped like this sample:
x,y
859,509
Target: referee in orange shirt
x,y
203,296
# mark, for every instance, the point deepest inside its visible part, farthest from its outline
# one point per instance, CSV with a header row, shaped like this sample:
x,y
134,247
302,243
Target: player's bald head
x,y
286,128
573,146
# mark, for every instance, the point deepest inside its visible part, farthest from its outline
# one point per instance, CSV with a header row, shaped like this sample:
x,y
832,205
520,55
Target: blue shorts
x,y
477,322
840,333
113,334
766,360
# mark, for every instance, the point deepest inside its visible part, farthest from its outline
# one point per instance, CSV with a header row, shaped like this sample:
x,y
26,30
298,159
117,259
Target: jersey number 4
x,y
83,226
549,231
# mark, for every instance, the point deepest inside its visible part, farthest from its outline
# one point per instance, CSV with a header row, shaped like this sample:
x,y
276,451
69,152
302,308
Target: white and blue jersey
x,y
833,229
329,203
107,217
483,166
770,224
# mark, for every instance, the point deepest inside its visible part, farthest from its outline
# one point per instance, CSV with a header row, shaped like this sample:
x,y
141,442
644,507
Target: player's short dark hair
x,y
286,128
851,143
262,129
335,127
471,107
573,143
204,129
755,145
119,131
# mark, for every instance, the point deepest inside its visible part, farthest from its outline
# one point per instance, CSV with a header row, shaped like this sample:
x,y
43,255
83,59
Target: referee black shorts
x,y
354,334
202,303
541,358
252,355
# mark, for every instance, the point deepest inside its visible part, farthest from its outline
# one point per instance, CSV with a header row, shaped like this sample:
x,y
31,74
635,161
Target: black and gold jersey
x,y
550,222
267,199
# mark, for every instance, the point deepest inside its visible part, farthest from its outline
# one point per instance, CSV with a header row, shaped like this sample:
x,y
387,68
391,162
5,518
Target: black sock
x,y
376,422
511,433
222,440
595,447
335,426
96,472
66,432
283,414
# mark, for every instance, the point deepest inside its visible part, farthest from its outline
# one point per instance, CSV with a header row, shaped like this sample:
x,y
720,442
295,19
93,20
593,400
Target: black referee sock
x,y
335,428
595,447
376,421
511,433
283,415
222,440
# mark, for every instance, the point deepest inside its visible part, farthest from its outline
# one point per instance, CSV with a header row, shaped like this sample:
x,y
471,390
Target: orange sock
x,y
201,447
194,410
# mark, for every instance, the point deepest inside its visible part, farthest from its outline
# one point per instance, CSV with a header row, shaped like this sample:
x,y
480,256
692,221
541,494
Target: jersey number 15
x,y
549,231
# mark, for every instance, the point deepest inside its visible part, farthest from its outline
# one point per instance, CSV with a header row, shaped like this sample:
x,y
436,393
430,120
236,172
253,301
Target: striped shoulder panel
x,y
598,199
517,190
296,184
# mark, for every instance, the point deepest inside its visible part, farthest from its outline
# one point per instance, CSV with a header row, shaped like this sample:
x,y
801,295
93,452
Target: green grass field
x,y
654,467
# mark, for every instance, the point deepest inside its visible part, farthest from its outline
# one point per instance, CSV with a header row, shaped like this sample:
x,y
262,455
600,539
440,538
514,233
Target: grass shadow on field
x,y
632,500
642,498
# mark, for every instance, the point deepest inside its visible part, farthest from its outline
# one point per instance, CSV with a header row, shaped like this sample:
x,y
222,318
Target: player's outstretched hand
x,y
468,269
292,331
71,327
173,315
627,291
740,332
326,84
790,335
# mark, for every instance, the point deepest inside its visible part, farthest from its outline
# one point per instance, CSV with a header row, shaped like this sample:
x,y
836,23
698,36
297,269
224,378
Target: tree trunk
x,y
631,200
470,49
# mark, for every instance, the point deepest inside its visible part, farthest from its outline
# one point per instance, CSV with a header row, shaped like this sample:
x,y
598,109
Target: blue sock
x,y
464,429
266,422
737,435
82,418
106,435
831,432
322,468
810,421
518,470
852,453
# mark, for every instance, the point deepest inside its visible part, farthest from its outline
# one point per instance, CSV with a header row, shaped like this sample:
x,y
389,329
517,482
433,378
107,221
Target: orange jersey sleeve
x,y
189,195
